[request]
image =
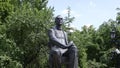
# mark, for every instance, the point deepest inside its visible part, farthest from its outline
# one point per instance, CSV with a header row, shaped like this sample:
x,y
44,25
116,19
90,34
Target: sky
x,y
86,12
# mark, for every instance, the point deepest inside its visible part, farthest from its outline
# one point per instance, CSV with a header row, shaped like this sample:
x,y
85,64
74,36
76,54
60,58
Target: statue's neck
x,y
58,27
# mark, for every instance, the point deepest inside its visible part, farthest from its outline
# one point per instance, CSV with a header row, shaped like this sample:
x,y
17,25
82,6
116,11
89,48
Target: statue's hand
x,y
70,44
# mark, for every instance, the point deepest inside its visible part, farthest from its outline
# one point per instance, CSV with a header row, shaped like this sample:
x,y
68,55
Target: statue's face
x,y
59,20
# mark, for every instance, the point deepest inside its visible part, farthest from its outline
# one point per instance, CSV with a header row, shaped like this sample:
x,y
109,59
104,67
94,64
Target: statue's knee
x,y
74,49
56,53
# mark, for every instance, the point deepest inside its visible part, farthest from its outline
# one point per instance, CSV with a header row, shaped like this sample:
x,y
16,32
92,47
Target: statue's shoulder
x,y
51,29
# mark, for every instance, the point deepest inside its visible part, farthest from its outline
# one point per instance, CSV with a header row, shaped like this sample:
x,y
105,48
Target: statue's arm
x,y
54,40
69,44
66,38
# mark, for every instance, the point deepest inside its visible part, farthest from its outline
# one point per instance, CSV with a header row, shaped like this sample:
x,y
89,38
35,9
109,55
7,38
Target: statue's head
x,y
59,20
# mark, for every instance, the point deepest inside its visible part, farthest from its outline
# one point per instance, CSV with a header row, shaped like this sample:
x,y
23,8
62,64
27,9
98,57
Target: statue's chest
x,y
59,34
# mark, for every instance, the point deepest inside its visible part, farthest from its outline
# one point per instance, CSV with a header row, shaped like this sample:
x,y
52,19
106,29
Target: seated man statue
x,y
59,46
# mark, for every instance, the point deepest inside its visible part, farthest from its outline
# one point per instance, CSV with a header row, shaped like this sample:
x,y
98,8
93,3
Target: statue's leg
x,y
73,58
55,59
117,61
51,61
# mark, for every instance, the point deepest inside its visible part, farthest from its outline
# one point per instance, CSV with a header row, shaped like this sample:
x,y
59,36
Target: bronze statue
x,y
59,47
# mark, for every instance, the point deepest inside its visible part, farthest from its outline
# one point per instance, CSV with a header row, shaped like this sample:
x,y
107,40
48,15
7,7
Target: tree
x,y
68,18
25,32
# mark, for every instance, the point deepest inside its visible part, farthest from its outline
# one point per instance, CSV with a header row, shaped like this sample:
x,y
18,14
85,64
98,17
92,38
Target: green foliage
x,y
5,10
24,35
94,45
7,62
78,39
94,64
28,28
